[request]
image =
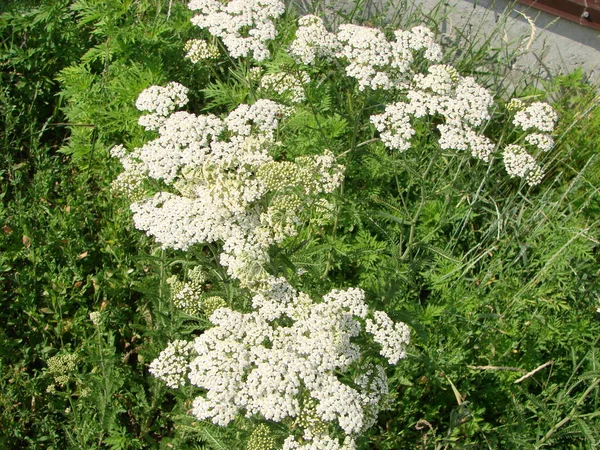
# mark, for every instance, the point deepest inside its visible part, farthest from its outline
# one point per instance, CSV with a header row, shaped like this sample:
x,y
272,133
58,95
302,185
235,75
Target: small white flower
x,y
96,318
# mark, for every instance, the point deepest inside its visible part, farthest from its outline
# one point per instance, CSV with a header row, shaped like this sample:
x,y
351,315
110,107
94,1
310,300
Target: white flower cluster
x,y
394,125
96,318
377,63
368,54
289,349
539,115
162,100
287,85
212,166
538,119
200,50
459,100
519,163
172,365
245,26
392,337
313,42
540,140
320,442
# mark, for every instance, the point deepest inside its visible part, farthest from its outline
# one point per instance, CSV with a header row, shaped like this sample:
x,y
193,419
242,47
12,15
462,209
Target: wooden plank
x,y
584,12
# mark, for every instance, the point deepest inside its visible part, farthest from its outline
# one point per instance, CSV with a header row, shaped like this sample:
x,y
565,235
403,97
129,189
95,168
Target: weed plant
x,y
498,280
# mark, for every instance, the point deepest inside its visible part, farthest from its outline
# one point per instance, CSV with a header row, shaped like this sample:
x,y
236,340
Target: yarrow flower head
x,y
286,85
521,164
368,54
96,318
188,295
61,366
200,50
378,63
539,116
540,140
284,360
313,42
172,365
394,126
392,337
245,26
162,100
459,100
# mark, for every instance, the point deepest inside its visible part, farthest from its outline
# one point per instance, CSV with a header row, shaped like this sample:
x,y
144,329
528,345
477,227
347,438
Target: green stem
x,y
570,416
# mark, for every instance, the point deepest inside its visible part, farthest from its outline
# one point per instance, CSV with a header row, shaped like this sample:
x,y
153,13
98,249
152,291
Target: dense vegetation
x,y
499,281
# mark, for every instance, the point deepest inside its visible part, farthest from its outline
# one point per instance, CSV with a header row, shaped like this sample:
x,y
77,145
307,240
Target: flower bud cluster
x,y
61,366
129,184
188,295
245,26
261,439
211,304
200,50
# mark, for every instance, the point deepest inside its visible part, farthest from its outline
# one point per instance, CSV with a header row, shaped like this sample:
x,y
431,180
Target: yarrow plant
x,y
464,105
223,184
316,367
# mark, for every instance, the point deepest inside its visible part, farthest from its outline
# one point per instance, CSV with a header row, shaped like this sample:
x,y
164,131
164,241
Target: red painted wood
x,y
584,12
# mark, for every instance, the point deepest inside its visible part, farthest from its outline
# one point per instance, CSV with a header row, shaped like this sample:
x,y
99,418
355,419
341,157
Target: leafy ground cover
x,y
498,280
